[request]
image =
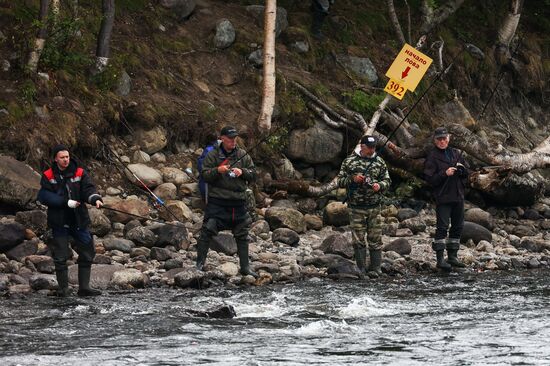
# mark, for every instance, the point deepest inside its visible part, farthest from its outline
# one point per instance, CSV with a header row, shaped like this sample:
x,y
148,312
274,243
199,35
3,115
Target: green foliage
x,y
277,142
64,47
108,78
362,102
28,91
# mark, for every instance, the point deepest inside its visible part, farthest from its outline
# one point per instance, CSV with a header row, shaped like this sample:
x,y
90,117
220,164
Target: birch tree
x,y
268,88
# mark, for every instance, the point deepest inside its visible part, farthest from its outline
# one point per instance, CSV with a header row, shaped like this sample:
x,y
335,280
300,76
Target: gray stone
x,y
306,205
480,217
416,224
42,263
42,282
317,144
256,58
475,232
152,140
361,66
160,254
149,176
336,214
300,46
141,251
225,34
129,277
166,191
285,217
313,222
124,85
190,278
11,234
26,248
123,245
36,220
173,263
531,214
140,157
177,236
260,227
338,243
143,236
286,236
19,183
224,243
100,224
524,230
400,246
102,259
406,213
6,66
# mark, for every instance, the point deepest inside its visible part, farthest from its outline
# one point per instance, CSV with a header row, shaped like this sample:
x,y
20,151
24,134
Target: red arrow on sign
x,y
405,73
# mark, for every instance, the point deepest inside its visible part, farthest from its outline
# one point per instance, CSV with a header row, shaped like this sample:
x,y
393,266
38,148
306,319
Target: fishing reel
x,y
460,169
232,174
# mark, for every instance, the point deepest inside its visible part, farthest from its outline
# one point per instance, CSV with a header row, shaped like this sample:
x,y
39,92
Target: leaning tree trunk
x,y
395,21
268,91
40,39
104,37
507,31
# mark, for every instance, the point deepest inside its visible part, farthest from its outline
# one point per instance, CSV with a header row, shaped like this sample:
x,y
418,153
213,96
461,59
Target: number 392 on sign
x,y
396,89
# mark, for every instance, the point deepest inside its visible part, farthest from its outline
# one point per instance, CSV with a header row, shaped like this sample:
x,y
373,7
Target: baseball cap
x,y
229,131
440,132
58,148
369,140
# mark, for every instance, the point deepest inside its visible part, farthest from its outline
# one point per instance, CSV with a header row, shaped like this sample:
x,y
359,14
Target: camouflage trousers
x,y
366,227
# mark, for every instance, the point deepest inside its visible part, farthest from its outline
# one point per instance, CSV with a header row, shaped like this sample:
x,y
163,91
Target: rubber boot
x,y
84,288
62,283
439,247
375,264
202,252
242,251
360,259
452,252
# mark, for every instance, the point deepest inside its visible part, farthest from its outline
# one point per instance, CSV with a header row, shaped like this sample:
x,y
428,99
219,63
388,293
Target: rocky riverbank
x,y
291,240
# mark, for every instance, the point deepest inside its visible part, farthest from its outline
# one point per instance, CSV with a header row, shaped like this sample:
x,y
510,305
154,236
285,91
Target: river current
x,y
498,318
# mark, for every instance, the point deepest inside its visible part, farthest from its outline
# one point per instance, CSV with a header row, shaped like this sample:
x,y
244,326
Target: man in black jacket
x,y
65,188
227,169
445,170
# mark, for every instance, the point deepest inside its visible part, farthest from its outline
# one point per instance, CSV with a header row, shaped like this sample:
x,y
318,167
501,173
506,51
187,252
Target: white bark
x,y
431,18
269,78
510,24
40,40
104,36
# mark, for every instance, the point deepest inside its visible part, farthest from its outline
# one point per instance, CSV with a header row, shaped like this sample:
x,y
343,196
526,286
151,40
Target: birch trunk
x,y
268,89
40,40
104,37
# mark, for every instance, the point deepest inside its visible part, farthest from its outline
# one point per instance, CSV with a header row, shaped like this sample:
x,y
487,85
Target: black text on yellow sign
x,y
396,89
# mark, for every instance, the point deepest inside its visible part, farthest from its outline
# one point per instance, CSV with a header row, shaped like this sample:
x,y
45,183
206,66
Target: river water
x,y
467,319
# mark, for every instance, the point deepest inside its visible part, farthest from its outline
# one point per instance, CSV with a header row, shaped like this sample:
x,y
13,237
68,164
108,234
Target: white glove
x,y
73,203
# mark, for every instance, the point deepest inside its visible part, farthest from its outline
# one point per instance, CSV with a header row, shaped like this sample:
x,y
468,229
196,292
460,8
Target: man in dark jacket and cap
x,y
66,188
445,169
227,169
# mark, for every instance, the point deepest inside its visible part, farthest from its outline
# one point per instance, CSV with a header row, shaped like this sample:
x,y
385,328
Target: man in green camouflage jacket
x,y
365,176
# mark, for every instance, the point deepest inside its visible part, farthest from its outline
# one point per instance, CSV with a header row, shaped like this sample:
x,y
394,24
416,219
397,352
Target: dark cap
x,y
440,132
369,140
229,131
58,148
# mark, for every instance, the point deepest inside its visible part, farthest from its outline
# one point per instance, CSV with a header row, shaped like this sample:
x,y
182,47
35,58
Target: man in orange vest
x,y
65,188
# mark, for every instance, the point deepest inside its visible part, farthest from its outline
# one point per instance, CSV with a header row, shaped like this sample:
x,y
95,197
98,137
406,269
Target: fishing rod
x,y
138,216
247,152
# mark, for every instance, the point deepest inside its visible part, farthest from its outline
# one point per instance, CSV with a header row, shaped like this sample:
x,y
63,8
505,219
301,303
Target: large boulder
x,y
19,183
178,209
36,220
42,263
131,205
166,191
124,245
480,217
152,140
41,281
279,217
149,176
416,224
142,235
101,225
177,236
361,66
317,144
26,248
11,234
174,175
336,214
129,277
338,243
475,232
101,274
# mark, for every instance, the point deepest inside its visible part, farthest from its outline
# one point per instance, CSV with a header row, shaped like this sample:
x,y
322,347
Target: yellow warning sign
x,y
409,67
396,89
